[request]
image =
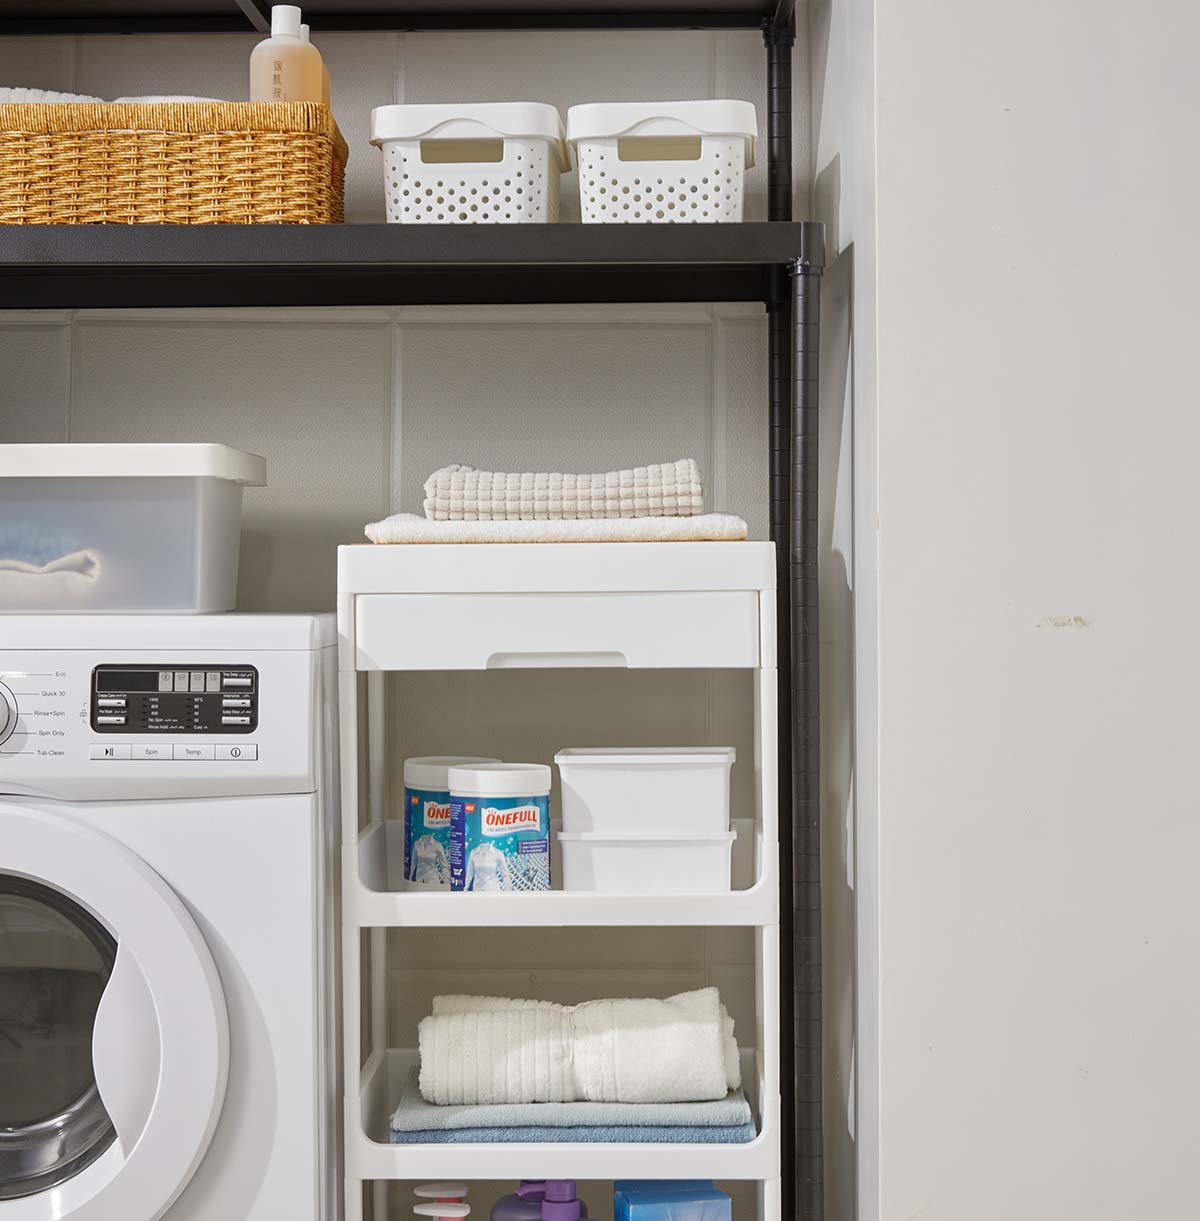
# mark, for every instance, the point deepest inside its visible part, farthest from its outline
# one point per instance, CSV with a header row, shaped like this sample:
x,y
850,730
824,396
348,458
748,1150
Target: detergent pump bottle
x,y
560,1202
524,1204
285,68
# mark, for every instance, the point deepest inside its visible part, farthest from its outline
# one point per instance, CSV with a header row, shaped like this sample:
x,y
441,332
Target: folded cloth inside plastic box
x,y
726,1121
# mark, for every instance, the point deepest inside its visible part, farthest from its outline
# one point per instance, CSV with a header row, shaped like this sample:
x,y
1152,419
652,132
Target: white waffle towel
x,y
487,1049
667,489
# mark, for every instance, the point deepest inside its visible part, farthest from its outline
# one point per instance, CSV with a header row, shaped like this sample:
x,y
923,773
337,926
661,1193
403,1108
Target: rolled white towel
x,y
667,489
494,1049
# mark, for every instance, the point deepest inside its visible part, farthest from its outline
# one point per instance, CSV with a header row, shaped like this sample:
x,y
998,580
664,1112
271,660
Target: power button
x,y
238,753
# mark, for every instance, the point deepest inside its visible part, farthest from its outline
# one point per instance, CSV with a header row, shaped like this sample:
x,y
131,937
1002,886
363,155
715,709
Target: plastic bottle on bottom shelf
x,y
285,68
561,1203
525,1204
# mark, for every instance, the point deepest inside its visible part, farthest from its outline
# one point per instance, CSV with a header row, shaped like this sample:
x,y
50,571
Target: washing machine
x,y
168,1033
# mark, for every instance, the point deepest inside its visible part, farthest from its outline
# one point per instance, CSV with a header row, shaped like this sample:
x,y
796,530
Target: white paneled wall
x,y
353,408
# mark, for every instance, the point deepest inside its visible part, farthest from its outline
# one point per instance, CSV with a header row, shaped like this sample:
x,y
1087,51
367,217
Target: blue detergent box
x,y
670,1200
499,844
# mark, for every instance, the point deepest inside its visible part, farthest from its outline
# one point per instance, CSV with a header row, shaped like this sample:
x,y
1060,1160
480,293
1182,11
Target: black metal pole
x,y
806,742
780,40
779,344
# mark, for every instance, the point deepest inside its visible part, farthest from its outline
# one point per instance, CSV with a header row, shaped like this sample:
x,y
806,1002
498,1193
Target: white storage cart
x,y
480,607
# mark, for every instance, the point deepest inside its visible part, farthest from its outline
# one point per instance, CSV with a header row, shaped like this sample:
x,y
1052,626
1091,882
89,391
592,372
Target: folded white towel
x,y
708,527
667,489
496,1050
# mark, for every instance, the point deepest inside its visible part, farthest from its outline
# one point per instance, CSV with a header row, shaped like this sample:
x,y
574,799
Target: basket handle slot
x,y
659,148
444,152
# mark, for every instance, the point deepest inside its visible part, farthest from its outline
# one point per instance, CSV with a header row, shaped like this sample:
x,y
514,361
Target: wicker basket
x,y
186,164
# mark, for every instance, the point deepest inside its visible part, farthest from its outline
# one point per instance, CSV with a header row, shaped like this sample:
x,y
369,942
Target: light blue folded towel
x,y
698,1134
727,1120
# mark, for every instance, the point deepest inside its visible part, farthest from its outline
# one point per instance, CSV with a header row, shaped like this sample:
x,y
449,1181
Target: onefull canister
x,y
427,820
500,827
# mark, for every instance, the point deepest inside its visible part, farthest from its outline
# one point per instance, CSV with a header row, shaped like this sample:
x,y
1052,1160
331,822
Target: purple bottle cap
x,y
560,1203
532,1189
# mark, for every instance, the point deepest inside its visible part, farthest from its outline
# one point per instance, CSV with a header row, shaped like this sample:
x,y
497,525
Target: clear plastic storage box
x,y
464,164
112,528
662,162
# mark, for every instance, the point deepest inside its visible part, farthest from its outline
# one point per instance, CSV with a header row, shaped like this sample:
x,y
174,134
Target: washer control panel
x,y
185,699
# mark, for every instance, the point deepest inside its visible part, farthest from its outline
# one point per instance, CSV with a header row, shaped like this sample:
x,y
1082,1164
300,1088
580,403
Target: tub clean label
x,y
505,822
500,844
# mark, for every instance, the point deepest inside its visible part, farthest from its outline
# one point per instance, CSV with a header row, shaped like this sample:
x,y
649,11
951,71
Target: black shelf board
x,y
213,16
153,266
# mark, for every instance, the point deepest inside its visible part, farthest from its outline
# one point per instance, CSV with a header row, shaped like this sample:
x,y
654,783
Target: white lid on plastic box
x,y
646,756
611,120
69,461
501,780
454,121
432,772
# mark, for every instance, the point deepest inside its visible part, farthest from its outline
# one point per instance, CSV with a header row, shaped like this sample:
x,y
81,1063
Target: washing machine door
x,y
114,1041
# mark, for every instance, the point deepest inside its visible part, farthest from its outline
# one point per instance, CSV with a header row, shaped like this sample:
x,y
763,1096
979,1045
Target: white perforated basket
x,y
662,162
495,163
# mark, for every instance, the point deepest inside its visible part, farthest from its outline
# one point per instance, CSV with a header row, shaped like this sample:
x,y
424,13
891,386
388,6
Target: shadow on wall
x,y
837,703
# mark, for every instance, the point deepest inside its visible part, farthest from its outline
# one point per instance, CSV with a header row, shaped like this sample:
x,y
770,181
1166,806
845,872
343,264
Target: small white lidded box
x,y
471,163
651,862
122,528
646,789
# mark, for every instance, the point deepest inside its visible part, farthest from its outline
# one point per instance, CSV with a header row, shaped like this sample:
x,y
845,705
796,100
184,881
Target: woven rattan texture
x,y
194,164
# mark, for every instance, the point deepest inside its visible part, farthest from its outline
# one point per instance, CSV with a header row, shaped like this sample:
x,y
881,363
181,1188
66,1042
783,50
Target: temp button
x,y
198,754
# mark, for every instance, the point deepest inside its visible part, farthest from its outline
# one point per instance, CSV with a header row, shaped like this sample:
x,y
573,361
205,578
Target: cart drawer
x,y
717,630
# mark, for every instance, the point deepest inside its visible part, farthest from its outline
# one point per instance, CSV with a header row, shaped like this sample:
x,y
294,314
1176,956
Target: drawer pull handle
x,y
559,661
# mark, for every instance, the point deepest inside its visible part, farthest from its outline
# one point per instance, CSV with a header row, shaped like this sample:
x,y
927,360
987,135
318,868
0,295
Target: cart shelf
x,y
369,1155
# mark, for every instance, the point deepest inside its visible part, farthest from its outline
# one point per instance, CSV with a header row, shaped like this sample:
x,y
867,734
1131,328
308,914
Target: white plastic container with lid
x,y
471,164
500,828
647,863
644,789
122,528
662,162
427,819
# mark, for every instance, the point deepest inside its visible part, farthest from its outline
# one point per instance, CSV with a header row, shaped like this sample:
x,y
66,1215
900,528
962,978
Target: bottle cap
x,y
561,1203
285,21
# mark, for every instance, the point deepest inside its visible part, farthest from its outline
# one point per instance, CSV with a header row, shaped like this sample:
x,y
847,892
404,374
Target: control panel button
x,y
166,680
183,680
236,682
111,701
110,719
155,752
116,751
212,681
249,751
235,701
195,754
235,720
197,682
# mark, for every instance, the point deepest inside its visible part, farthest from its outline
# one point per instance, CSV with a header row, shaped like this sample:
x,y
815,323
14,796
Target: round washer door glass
x,y
55,962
